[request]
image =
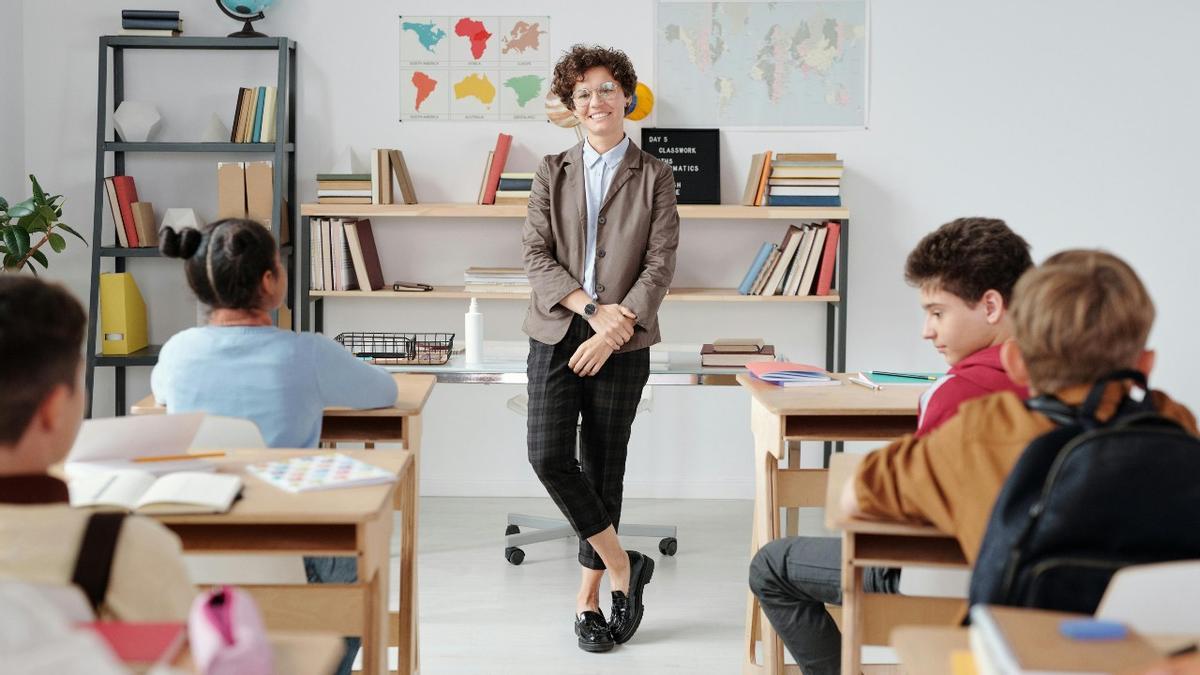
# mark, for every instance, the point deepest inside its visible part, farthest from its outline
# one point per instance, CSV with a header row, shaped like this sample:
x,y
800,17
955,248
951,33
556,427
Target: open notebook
x,y
142,491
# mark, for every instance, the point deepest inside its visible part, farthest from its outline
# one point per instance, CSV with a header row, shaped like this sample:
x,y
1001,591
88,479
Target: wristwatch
x,y
589,310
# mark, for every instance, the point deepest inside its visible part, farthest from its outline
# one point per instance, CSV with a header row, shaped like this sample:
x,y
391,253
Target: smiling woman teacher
x,y
599,239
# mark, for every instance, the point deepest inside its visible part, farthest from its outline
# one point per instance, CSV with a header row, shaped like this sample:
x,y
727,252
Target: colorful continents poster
x,y
474,67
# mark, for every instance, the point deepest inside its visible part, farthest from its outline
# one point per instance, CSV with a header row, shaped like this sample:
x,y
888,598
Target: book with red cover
x,y
499,157
142,643
828,259
126,196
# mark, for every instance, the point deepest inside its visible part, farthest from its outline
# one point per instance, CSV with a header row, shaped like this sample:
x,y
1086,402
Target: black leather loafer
x,y
627,611
593,632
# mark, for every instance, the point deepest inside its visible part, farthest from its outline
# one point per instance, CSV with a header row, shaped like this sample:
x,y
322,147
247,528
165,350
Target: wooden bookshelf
x,y
676,295
696,211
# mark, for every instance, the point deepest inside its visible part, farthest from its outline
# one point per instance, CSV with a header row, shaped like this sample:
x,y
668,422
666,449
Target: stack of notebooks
x,y
254,116
493,170
794,179
496,280
344,256
514,188
735,352
136,226
802,264
151,22
787,374
375,187
1016,640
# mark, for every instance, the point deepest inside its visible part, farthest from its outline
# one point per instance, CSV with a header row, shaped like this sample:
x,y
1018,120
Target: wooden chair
x,y
799,488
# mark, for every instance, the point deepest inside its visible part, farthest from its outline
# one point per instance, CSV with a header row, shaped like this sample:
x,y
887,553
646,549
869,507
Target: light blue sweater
x,y
280,380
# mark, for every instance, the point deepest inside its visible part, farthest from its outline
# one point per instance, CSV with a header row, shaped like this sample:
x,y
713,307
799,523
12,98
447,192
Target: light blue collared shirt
x,y
600,172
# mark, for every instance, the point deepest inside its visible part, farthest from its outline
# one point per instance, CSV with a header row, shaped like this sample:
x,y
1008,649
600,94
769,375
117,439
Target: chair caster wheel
x,y
668,546
514,555
512,529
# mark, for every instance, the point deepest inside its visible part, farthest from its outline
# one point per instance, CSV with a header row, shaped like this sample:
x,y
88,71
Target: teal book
x,y
751,274
258,115
901,377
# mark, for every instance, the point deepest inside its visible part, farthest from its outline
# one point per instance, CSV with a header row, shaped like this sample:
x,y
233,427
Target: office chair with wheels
x,y
557,528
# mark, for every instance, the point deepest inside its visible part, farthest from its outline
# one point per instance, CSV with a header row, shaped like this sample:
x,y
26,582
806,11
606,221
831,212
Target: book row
x,y
254,116
343,256
802,264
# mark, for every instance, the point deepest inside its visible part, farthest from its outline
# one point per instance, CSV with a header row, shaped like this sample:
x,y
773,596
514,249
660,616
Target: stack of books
x,y
514,188
736,352
343,188
794,179
254,116
496,280
135,222
802,264
492,170
344,256
151,22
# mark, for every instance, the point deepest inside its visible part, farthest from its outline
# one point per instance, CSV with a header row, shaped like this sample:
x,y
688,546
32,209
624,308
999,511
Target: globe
x,y
247,11
246,7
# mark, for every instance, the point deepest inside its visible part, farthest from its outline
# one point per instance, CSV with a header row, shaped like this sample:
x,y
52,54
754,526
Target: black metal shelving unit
x,y
282,153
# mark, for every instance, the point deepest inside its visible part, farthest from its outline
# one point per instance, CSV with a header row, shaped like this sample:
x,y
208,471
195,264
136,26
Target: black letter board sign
x,y
694,155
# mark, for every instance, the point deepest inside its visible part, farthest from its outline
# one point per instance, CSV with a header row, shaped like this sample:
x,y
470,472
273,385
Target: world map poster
x,y
762,64
474,67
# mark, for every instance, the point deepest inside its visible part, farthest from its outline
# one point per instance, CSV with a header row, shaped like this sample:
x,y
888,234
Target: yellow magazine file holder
x,y
122,315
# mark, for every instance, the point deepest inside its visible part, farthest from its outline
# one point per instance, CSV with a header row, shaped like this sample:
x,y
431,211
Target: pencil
x,y
911,376
176,458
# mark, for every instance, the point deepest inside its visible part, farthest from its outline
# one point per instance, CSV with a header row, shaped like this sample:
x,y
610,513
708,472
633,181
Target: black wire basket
x,y
399,349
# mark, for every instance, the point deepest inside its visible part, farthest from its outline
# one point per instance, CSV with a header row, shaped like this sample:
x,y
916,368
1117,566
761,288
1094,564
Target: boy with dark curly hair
x,y
965,272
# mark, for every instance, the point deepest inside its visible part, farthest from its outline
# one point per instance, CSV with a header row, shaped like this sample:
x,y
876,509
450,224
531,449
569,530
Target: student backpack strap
x,y
93,566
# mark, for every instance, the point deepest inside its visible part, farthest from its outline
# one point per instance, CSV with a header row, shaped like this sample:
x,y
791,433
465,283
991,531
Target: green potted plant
x,y
21,222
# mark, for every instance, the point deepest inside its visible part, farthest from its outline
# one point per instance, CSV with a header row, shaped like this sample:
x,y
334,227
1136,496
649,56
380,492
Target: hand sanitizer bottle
x,y
473,334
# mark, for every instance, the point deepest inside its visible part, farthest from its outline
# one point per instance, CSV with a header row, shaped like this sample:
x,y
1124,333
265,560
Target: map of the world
x,y
474,67
762,64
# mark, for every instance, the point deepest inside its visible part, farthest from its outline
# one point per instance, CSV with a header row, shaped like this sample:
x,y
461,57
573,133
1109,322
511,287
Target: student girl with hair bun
x,y
241,365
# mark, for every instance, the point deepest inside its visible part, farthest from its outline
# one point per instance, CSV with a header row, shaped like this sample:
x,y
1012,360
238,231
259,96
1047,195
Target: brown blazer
x,y
637,232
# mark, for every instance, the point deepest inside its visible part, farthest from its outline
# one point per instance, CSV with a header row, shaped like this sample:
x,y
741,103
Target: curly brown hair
x,y
570,69
968,257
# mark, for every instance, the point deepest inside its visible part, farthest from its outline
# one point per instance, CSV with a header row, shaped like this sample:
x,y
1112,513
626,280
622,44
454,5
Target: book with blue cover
x,y
261,93
755,268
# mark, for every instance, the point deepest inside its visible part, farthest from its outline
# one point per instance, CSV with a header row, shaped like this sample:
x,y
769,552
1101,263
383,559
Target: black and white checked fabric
x,y
587,490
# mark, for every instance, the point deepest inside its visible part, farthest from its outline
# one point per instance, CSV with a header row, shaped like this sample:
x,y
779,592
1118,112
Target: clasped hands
x,y
614,326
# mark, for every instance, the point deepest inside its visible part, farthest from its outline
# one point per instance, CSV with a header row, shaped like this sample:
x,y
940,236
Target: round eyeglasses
x,y
605,91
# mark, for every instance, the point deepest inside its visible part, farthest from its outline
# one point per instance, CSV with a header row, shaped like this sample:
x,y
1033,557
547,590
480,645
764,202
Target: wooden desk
x,y
871,543
401,423
926,649
349,522
782,414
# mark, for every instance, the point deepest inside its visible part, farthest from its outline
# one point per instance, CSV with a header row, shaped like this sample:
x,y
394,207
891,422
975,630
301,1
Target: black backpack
x,y
1088,498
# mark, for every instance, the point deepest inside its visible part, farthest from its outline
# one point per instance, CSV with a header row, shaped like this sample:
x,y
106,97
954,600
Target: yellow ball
x,y
645,103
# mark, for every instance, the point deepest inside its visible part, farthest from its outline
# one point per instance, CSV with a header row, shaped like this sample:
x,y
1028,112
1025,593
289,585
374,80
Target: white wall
x,y
1073,120
12,107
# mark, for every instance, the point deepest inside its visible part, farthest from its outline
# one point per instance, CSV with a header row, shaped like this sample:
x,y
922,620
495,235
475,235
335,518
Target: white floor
x,y
480,614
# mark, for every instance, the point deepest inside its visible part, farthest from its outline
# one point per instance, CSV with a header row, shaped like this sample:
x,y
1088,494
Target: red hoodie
x,y
977,375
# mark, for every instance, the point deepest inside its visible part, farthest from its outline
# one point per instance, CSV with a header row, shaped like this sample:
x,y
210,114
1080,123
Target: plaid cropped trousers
x,y
587,490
